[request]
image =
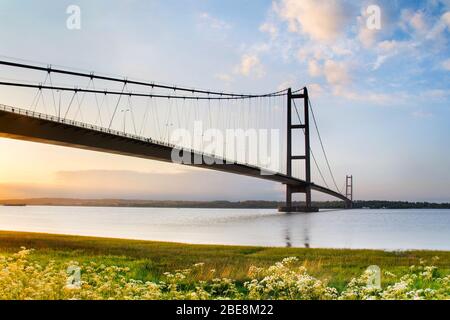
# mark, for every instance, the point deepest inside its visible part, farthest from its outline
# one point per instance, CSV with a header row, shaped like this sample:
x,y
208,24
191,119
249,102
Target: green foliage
x,y
21,277
149,260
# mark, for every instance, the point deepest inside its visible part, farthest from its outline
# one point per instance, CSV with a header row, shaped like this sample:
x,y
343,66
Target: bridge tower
x,y
349,191
305,157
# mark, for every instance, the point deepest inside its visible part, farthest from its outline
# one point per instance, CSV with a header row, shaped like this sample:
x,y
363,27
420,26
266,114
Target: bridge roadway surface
x,y
27,125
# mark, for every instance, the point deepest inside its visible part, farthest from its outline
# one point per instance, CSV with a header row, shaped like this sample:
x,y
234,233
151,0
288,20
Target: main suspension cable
x,y
91,75
323,148
129,93
310,149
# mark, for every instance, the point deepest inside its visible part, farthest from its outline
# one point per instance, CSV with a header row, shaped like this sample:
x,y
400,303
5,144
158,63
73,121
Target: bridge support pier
x,y
288,196
290,207
306,157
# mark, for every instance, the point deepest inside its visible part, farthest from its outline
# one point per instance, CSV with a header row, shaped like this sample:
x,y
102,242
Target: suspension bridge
x,y
87,110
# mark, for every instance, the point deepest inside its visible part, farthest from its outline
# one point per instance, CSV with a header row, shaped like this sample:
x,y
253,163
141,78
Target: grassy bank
x,y
148,260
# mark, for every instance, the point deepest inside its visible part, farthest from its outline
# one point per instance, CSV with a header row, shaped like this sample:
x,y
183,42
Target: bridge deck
x,y
26,125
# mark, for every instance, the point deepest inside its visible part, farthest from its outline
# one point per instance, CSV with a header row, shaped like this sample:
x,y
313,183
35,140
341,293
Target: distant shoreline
x,y
250,204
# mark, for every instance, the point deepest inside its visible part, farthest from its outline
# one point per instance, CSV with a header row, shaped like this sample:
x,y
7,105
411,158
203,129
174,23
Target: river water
x,y
371,229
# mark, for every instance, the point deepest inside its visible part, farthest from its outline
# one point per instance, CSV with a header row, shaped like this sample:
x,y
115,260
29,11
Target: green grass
x,y
148,260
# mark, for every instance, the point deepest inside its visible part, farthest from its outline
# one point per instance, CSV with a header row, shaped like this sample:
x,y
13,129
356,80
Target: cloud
x,y
439,27
250,65
269,28
187,184
290,83
380,60
446,19
422,114
446,65
224,77
314,68
424,26
389,48
213,23
418,22
340,50
368,96
367,36
315,89
196,184
413,21
322,20
312,51
436,93
336,73
333,43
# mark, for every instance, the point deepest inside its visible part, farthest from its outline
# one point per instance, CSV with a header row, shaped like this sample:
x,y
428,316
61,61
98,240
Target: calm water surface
x,y
377,229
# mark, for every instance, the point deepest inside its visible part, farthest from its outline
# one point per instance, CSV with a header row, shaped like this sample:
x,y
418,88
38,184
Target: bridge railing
x,y
79,124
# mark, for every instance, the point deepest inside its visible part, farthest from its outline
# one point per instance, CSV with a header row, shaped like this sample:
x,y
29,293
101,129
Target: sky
x,y
380,92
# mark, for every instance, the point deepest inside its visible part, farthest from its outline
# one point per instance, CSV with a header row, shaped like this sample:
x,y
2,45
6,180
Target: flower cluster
x,y
23,278
421,283
284,281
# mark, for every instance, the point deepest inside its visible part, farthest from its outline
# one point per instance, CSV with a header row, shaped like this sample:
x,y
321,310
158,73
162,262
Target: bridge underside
x,y
17,125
